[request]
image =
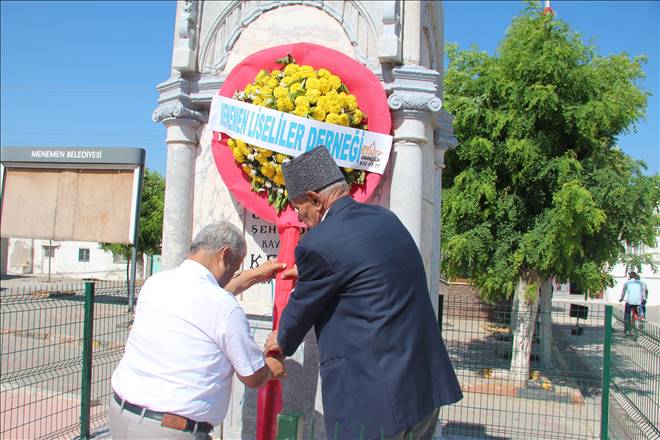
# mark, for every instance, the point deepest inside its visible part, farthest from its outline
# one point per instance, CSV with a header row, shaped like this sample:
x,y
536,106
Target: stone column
x,y
406,191
414,102
182,140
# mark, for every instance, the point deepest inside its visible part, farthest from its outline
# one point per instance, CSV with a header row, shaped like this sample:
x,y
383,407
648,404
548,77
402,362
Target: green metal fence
x,y
561,399
634,381
54,382
60,344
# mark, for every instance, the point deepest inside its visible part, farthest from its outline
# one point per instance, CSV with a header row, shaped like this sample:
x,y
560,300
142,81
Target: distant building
x,y
70,259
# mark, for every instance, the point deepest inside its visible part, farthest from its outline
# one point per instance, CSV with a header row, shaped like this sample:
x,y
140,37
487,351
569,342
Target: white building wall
x,y
652,279
27,256
19,256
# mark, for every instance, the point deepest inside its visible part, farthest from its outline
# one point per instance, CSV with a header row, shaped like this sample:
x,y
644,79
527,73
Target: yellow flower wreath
x,y
303,91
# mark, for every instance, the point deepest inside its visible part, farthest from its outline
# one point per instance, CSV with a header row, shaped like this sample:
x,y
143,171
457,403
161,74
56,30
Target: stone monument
x,y
401,43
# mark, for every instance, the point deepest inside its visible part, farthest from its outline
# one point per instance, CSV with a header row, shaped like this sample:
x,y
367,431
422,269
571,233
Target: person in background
x,y
189,337
645,291
634,293
361,284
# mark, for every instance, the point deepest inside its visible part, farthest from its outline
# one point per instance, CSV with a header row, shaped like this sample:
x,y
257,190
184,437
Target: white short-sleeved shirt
x,y
188,338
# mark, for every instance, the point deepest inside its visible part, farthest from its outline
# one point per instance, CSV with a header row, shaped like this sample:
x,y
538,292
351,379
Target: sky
x,y
84,74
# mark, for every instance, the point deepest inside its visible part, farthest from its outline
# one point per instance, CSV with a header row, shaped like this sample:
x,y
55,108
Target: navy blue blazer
x,y
362,285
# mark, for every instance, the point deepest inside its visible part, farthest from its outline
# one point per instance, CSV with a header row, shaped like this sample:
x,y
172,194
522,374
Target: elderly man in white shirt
x,y
189,337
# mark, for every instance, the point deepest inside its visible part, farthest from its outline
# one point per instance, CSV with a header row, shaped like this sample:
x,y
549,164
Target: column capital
x,y
414,101
175,103
414,97
178,113
413,87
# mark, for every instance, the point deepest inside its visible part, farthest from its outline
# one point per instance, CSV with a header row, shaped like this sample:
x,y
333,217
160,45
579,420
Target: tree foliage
x,y
537,184
151,218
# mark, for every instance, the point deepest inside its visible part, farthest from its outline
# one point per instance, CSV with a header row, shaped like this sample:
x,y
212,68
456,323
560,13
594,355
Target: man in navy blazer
x,y
361,283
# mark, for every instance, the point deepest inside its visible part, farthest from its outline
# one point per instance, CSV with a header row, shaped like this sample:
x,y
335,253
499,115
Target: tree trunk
x,y
525,303
546,324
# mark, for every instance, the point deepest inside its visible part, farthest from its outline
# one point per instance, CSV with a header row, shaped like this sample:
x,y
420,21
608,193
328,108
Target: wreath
x,y
303,91
362,83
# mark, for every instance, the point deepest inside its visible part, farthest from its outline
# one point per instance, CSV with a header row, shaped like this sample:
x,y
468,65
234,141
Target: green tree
x,y
151,221
537,187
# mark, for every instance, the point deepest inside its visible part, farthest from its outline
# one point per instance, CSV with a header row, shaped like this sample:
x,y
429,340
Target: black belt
x,y
167,420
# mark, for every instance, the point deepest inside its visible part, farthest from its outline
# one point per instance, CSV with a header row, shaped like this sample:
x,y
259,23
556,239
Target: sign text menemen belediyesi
x,y
65,154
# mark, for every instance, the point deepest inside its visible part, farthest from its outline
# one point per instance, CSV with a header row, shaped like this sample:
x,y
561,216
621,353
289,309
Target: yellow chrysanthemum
x,y
351,102
320,103
243,147
301,111
318,113
292,68
307,69
268,170
332,104
280,157
278,179
334,81
280,92
312,84
238,156
232,143
323,73
302,101
276,73
273,82
247,169
342,119
332,118
261,75
263,82
312,95
295,88
284,104
264,152
324,85
357,117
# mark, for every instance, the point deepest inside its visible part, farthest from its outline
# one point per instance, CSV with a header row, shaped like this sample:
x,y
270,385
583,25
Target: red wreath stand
x,y
372,100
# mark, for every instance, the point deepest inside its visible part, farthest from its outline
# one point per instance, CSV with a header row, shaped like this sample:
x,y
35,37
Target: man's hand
x,y
273,370
271,344
276,365
290,273
267,271
250,277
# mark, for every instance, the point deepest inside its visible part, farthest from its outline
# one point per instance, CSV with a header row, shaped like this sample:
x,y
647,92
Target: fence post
x,y
86,386
607,377
290,425
441,306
